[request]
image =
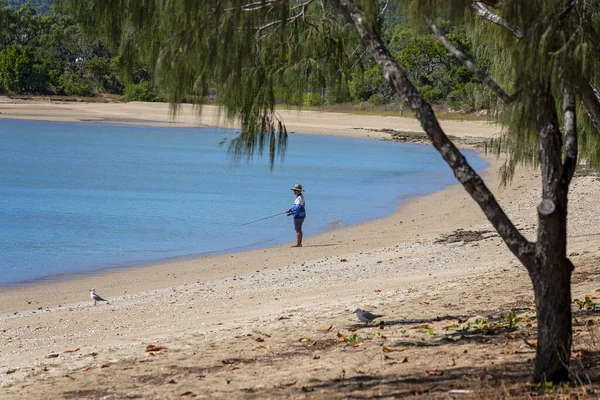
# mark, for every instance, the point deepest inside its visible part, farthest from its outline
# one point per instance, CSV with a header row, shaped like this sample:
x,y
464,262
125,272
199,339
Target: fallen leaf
x,y
508,351
172,381
52,355
590,322
359,344
577,354
72,351
104,366
377,290
530,344
304,339
404,360
280,318
190,394
422,326
316,357
327,329
509,336
153,347
259,339
290,384
453,362
343,260
426,303
388,350
433,373
10,371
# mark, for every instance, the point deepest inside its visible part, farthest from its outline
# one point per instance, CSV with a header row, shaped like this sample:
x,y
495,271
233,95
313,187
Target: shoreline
x,y
81,112
187,117
411,266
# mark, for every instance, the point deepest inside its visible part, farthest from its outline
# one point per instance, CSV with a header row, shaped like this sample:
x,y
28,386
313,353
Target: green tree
x,y
19,27
21,70
49,54
546,51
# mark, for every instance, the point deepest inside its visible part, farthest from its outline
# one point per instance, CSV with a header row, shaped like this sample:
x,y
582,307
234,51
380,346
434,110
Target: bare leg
x,y
298,239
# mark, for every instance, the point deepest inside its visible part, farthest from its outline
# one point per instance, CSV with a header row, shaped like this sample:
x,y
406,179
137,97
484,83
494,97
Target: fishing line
x,y
260,219
227,231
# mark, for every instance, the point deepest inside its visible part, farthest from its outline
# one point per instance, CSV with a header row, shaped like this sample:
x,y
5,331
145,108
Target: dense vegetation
x,y
43,51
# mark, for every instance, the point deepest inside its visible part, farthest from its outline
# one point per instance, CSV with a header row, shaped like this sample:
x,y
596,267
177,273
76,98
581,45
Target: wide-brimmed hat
x,y
297,186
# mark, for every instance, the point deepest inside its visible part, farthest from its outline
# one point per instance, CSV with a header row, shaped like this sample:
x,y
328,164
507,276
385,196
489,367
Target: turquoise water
x,y
85,198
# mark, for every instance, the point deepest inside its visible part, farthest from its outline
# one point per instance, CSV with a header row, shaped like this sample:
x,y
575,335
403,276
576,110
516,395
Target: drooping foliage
x,y
253,55
560,46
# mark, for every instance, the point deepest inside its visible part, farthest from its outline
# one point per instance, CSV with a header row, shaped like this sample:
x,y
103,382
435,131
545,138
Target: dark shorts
x,y
298,224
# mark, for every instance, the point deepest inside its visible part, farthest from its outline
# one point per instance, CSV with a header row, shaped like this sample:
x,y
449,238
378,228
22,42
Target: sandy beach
x,y
279,322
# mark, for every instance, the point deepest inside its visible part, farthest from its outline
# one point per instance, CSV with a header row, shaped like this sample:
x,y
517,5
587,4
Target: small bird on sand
x,y
95,297
365,316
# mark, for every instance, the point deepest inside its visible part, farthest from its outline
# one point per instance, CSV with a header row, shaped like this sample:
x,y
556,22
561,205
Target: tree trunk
x,y
553,308
551,272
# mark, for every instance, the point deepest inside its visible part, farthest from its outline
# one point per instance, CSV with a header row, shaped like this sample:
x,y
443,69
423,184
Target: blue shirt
x,y
298,208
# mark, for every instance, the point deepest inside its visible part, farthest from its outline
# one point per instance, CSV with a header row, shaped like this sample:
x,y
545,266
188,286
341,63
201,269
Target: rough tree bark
x,y
545,260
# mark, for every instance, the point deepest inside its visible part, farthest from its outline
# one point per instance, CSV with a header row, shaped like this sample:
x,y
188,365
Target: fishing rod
x,y
260,219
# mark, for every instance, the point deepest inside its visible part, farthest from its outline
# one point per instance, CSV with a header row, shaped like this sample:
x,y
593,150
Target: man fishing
x,y
299,213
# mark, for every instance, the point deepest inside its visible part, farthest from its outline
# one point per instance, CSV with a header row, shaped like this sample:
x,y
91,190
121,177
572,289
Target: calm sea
x,y
85,198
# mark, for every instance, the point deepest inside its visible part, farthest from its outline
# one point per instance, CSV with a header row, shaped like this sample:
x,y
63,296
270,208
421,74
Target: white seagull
x,y
365,316
95,297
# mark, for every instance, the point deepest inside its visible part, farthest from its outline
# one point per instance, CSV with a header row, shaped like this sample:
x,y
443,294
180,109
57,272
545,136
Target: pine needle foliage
x,y
252,54
559,47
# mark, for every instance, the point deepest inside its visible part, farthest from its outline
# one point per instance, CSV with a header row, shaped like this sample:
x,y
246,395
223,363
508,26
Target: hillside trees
x,y
545,54
48,54
75,66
